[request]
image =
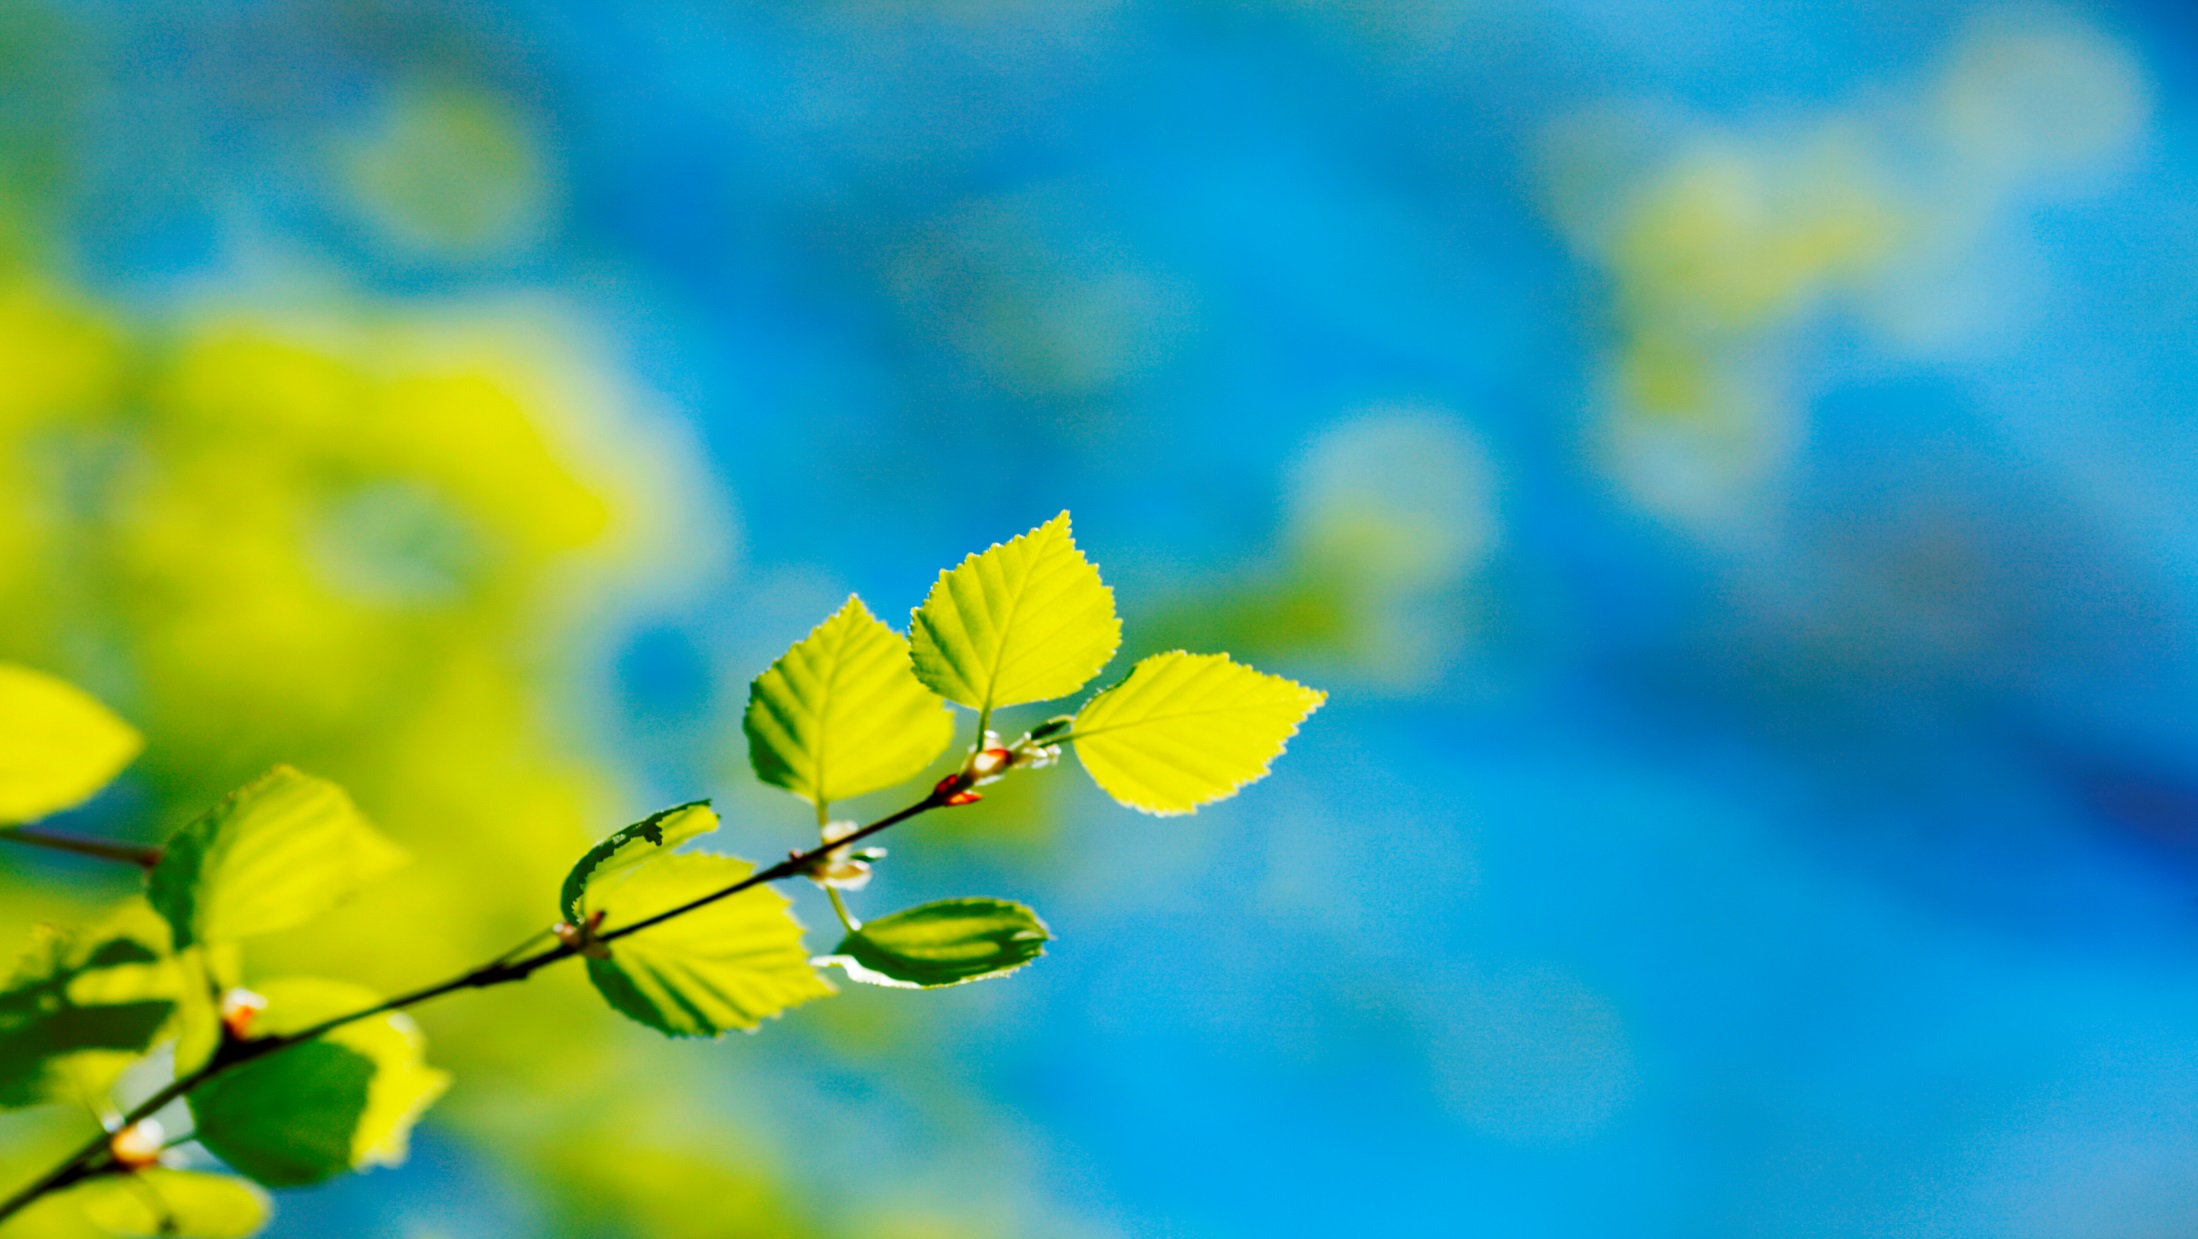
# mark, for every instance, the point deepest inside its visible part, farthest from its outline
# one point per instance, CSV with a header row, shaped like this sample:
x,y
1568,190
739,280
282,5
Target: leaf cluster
x,y
854,707
296,1080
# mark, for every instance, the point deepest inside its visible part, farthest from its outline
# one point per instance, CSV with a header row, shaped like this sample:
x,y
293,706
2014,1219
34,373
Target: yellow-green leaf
x,y
58,745
276,852
842,712
1183,730
628,846
729,964
344,1100
208,969
1025,621
181,1204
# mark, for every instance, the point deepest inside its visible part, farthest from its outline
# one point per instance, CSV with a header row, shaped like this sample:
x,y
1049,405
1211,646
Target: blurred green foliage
x,y
359,545
246,501
1720,245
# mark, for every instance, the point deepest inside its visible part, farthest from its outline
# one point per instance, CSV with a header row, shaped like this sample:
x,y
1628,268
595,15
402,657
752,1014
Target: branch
x,y
95,1157
130,853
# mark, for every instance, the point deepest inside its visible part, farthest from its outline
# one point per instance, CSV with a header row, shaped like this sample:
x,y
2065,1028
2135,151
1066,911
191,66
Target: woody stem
x,y
94,1157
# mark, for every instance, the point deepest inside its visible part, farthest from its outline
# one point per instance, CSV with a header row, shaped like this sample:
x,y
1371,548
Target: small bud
x,y
581,938
848,874
137,1146
240,1007
842,867
985,765
960,798
988,761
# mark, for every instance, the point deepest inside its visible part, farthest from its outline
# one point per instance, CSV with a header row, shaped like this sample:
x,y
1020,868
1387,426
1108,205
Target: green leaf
x,y
842,713
1025,621
174,1204
730,964
949,942
275,853
346,1099
58,745
207,970
81,1006
1183,730
621,850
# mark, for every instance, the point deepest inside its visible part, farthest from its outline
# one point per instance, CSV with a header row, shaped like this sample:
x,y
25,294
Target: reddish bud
x,y
964,798
137,1146
239,1008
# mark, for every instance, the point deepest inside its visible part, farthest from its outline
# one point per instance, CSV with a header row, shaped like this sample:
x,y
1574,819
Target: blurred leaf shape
x,y
207,502
949,942
603,866
729,964
1392,513
345,1100
1028,620
273,854
174,1204
2027,93
58,744
397,543
1184,730
81,1004
842,712
1040,300
1396,498
1721,243
452,172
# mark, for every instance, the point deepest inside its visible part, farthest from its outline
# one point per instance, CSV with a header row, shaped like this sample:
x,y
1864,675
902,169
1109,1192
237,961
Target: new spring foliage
x,y
686,941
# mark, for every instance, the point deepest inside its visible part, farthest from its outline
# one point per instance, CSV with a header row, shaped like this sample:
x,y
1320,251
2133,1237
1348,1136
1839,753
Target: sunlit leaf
x,y
58,745
729,964
943,943
346,1099
610,860
207,969
1025,621
1183,730
276,852
181,1204
80,1006
842,713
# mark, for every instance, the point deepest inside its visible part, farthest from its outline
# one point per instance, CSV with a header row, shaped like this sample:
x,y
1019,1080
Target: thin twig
x,y
129,853
94,1157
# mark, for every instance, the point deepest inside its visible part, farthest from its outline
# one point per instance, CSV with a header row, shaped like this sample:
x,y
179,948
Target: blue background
x,y
1797,839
